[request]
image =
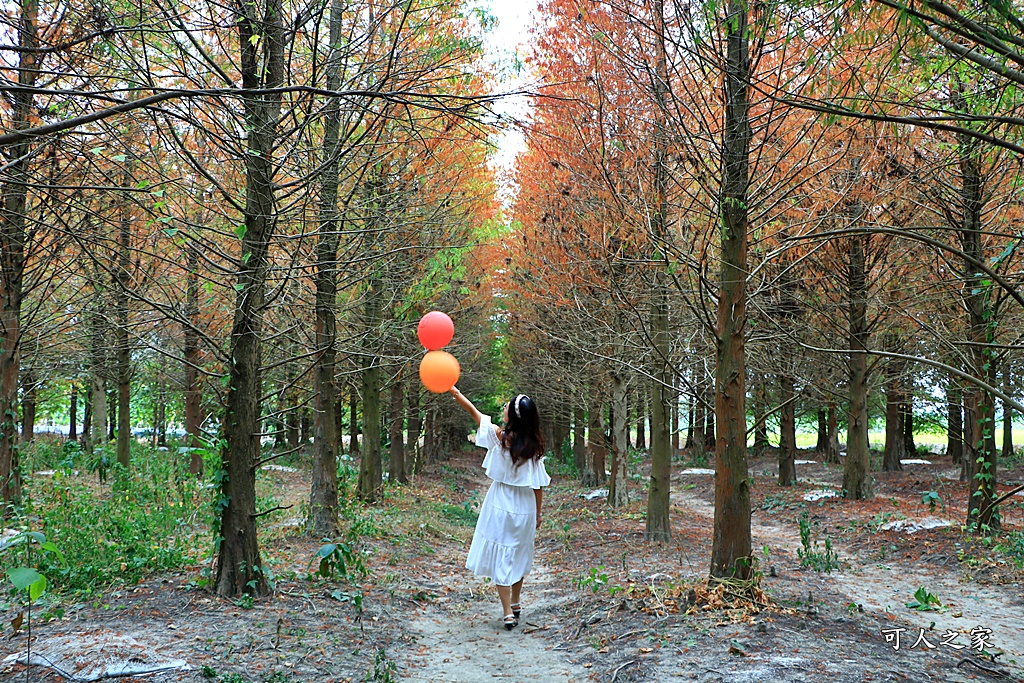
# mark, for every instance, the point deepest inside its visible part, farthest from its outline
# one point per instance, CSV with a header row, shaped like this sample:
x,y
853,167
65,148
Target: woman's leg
x,y
517,588
504,594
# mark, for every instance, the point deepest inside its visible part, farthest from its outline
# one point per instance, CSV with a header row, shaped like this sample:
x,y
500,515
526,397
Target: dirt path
x,y
463,640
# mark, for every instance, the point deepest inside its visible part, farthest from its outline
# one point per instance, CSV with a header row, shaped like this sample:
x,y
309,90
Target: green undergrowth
x,y
117,531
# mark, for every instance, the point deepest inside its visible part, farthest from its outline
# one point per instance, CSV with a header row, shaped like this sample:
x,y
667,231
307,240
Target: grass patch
x,y
154,518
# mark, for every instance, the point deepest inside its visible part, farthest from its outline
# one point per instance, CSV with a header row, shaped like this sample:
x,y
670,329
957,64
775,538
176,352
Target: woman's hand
x,y
466,404
538,520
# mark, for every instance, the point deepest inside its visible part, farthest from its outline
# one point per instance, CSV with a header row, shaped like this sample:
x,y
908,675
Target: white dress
x,y
502,545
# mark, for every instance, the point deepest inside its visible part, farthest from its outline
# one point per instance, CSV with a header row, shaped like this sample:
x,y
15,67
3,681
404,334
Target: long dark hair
x,y
521,435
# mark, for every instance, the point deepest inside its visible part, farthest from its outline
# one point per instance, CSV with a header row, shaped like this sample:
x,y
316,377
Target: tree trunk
x,y
832,452
193,359
112,399
397,433
822,443
981,451
121,276
698,418
895,443
579,438
1007,415
709,424
658,527
370,475
618,487
86,419
787,432
857,484
641,422
98,379
28,405
323,492
597,450
16,181
730,550
674,412
954,423
760,415
429,436
73,413
261,43
353,421
413,449
907,411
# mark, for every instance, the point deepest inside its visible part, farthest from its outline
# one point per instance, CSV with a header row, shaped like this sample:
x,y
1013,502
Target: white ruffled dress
x,y
502,545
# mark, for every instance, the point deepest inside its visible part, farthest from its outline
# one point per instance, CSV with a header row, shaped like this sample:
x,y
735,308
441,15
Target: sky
x,y
515,17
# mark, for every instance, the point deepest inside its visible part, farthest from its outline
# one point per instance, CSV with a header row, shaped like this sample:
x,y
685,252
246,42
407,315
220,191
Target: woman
x,y
510,515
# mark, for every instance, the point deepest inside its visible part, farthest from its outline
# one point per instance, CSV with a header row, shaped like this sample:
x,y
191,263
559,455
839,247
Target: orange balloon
x,y
439,371
435,330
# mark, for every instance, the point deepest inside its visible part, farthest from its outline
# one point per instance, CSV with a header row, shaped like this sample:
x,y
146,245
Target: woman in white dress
x,y
502,546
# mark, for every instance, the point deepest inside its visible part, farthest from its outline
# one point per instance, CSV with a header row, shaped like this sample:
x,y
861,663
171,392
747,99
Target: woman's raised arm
x,y
467,405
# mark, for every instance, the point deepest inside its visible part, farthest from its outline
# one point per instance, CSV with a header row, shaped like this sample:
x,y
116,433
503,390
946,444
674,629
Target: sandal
x,y
516,610
510,622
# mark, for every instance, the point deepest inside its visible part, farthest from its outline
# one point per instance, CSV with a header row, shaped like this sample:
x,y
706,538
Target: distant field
x,y
809,440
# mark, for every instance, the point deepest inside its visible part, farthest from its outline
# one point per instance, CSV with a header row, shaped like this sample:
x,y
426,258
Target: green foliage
x,y
924,601
596,579
460,515
150,523
383,671
342,560
932,499
26,577
820,560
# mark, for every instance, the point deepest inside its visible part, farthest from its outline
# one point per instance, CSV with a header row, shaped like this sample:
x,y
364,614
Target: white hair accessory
x,y
518,399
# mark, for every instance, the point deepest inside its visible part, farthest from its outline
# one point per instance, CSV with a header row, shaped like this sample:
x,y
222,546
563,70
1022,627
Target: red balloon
x,y
439,371
435,330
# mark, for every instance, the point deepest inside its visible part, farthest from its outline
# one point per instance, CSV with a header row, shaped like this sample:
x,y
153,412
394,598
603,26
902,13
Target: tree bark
x,y
857,484
674,412
787,432
895,443
641,422
1007,415
97,378
193,359
261,43
618,487
323,492
13,238
658,527
709,421
730,549
353,421
698,418
579,438
832,452
822,443
121,276
597,450
397,433
954,422
907,411
980,442
370,475
415,422
28,405
73,413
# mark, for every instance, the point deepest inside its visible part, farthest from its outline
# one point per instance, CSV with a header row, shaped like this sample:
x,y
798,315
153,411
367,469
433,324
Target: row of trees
x,y
761,206
749,205
268,203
